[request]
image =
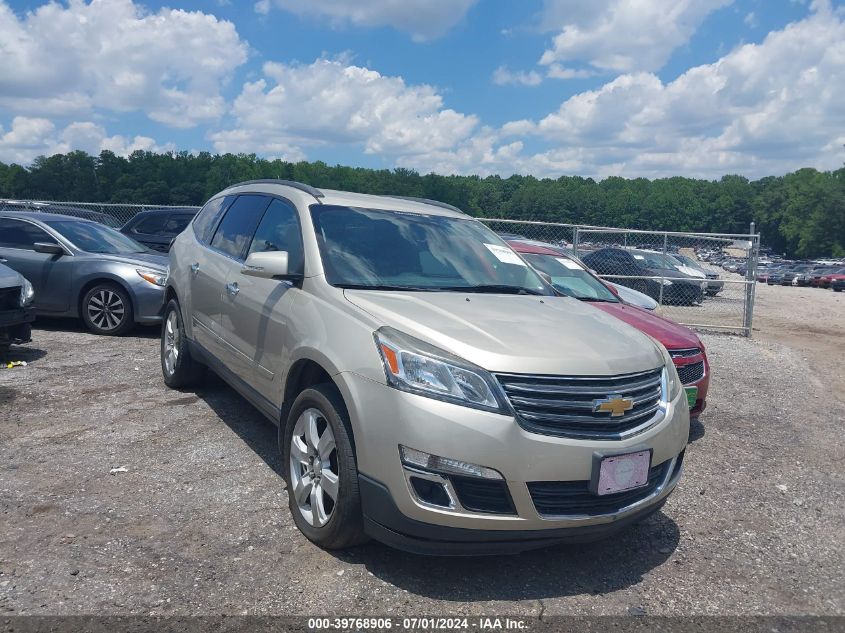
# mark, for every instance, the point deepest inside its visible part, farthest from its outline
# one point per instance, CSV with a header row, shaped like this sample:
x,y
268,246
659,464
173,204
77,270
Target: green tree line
x,y
801,214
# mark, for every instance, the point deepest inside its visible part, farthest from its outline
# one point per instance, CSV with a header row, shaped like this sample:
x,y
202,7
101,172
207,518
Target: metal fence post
x,y
662,278
575,241
751,279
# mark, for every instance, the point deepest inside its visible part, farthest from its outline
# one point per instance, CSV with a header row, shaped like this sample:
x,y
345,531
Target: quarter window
x,y
279,231
238,225
18,234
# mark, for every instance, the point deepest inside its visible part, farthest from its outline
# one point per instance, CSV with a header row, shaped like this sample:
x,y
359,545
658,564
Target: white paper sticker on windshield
x,y
569,263
504,254
638,257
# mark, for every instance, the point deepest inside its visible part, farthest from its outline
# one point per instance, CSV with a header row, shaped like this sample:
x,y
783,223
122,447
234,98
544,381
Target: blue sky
x,y
547,87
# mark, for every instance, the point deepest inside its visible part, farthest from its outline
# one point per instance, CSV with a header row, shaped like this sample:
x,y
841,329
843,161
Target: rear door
x,y
50,275
258,315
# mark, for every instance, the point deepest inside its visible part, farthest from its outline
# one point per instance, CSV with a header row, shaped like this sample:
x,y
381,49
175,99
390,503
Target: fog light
x,y
446,465
431,492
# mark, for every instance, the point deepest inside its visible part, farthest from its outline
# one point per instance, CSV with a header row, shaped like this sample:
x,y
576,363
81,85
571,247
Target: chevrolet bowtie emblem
x,y
615,405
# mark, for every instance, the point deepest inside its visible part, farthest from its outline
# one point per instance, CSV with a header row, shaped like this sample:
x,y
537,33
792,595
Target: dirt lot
x,y
198,522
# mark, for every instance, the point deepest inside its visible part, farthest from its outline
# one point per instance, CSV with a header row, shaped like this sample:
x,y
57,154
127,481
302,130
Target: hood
x,y
9,277
669,333
148,260
520,334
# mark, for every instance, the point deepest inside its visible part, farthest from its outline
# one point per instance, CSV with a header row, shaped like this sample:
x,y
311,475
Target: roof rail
x,y
287,183
435,203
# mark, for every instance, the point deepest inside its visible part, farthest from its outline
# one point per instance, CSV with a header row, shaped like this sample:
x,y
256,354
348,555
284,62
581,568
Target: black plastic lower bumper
x,y
384,522
15,326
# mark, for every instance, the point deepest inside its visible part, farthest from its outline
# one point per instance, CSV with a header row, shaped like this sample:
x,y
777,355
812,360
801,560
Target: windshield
x,y
96,238
570,278
390,250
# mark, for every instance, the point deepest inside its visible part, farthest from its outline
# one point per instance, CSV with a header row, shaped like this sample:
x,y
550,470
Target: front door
x,y
258,315
50,275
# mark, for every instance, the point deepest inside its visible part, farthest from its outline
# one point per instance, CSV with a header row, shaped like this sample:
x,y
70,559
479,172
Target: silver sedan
x,y
86,270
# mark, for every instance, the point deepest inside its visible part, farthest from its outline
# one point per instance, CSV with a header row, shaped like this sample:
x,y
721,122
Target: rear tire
x,y
107,310
177,366
320,469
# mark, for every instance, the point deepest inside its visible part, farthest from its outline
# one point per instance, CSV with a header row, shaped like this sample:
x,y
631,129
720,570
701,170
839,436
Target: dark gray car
x,y
83,269
16,312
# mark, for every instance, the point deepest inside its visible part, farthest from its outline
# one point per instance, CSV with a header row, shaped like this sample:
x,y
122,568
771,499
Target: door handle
x,y
232,289
195,268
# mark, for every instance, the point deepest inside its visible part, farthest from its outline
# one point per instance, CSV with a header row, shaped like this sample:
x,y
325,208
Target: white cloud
x,y
114,55
622,35
502,76
762,109
30,137
331,102
423,19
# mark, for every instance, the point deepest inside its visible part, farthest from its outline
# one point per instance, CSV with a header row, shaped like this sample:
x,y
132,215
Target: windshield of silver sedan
x,y
375,249
96,238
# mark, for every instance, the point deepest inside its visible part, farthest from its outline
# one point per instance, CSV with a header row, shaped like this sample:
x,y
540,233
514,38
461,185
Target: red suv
x,y
570,277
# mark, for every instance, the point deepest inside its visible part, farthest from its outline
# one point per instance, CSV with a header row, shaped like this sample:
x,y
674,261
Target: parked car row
x,y
804,275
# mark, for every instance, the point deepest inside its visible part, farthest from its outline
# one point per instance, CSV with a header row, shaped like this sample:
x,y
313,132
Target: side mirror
x,y
48,248
267,264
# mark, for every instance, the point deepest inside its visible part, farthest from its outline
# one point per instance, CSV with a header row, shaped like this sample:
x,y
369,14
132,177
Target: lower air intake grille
x,y
569,406
691,373
479,495
571,498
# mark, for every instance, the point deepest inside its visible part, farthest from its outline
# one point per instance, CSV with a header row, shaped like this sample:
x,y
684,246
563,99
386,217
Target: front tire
x,y
320,469
107,310
177,366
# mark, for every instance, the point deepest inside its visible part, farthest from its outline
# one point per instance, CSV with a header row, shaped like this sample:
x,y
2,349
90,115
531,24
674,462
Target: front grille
x,y
565,405
10,298
572,498
684,353
483,495
691,373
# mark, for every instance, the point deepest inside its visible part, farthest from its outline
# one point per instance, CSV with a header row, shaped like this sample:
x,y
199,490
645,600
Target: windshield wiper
x,y
595,300
493,289
384,287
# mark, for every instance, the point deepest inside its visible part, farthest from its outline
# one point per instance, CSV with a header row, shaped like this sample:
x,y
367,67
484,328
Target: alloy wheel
x,y
106,309
171,342
314,472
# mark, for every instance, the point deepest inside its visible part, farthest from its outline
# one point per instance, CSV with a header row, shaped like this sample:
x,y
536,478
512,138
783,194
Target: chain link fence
x,y
703,280
110,214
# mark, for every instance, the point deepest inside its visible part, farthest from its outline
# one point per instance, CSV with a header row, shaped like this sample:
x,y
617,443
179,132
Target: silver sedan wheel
x,y
171,343
106,309
314,472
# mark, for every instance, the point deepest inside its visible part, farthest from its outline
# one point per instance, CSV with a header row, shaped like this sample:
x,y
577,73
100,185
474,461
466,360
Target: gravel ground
x,y
198,522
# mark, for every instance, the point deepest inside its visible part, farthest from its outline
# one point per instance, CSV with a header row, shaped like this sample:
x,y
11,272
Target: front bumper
x,y
15,326
148,302
388,418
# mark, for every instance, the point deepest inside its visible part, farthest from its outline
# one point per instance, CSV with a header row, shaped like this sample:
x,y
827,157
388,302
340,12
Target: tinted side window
x,y
237,227
207,218
279,231
177,223
18,234
151,225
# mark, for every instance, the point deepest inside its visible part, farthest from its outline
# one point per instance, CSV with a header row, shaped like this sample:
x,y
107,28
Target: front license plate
x,y
618,473
692,396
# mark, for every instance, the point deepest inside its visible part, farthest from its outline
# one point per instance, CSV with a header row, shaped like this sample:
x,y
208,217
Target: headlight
x,y
704,285
666,282
673,381
416,367
155,277
27,294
